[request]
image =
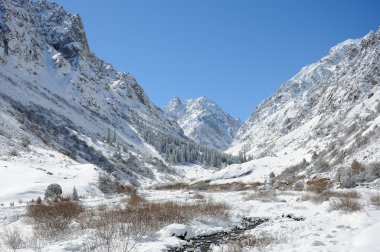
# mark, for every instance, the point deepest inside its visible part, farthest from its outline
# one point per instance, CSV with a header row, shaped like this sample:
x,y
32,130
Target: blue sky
x,y
236,52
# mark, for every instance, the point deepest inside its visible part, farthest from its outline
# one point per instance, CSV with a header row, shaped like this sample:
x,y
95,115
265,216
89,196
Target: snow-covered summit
x,y
204,121
56,91
331,106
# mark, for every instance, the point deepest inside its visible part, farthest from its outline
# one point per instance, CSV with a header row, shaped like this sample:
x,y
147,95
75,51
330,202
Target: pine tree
x,y
75,194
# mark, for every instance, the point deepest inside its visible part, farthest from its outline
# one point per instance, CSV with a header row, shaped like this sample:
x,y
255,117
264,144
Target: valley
x,y
89,163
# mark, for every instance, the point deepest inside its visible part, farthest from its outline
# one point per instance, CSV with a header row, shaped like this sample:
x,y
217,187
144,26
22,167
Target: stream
x,y
204,242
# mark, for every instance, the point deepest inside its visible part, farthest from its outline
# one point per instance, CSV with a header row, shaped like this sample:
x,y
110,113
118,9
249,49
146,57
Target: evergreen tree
x,y
75,194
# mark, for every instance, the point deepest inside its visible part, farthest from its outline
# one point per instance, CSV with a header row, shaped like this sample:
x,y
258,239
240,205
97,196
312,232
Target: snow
x,y
52,72
367,239
256,170
321,229
176,229
319,102
27,177
203,121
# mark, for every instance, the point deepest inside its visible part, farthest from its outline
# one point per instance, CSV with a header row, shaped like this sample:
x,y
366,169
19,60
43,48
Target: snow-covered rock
x,y
177,230
204,121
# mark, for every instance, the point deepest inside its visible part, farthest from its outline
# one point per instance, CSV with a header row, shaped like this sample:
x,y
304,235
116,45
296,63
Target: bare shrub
x,y
299,185
13,239
346,177
356,166
109,185
198,196
54,218
176,186
25,142
372,171
289,174
119,229
318,185
14,153
204,185
281,185
346,204
259,241
135,200
326,195
200,186
321,165
152,216
375,200
109,234
267,195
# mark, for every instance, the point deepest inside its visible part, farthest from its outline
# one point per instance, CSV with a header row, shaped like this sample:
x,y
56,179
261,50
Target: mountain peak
x,y
204,121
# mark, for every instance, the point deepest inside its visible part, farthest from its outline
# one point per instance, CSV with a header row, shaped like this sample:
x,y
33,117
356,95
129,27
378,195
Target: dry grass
x,y
326,195
148,216
206,186
318,185
346,204
115,228
269,195
176,186
375,200
198,196
259,241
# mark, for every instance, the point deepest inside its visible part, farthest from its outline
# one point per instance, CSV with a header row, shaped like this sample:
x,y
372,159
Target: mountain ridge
x,y
203,121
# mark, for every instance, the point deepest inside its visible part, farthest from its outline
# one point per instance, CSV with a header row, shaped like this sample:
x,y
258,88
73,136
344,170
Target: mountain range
x,y
56,94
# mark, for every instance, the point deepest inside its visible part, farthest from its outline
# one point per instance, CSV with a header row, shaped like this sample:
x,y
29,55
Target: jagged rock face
x,y
48,48
47,67
319,103
204,121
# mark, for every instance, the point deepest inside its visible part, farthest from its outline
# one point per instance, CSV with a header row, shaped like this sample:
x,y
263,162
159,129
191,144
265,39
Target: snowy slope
x,y
204,121
57,95
330,107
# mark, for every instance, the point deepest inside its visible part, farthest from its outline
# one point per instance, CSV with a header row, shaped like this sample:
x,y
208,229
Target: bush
x,y
326,195
14,153
152,216
321,165
299,185
372,172
25,142
53,191
375,200
346,177
346,204
318,185
12,239
267,195
198,196
54,218
289,174
356,166
258,241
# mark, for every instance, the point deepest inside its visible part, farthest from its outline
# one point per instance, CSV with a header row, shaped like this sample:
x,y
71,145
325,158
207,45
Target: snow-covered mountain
x,y
204,121
329,108
56,94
